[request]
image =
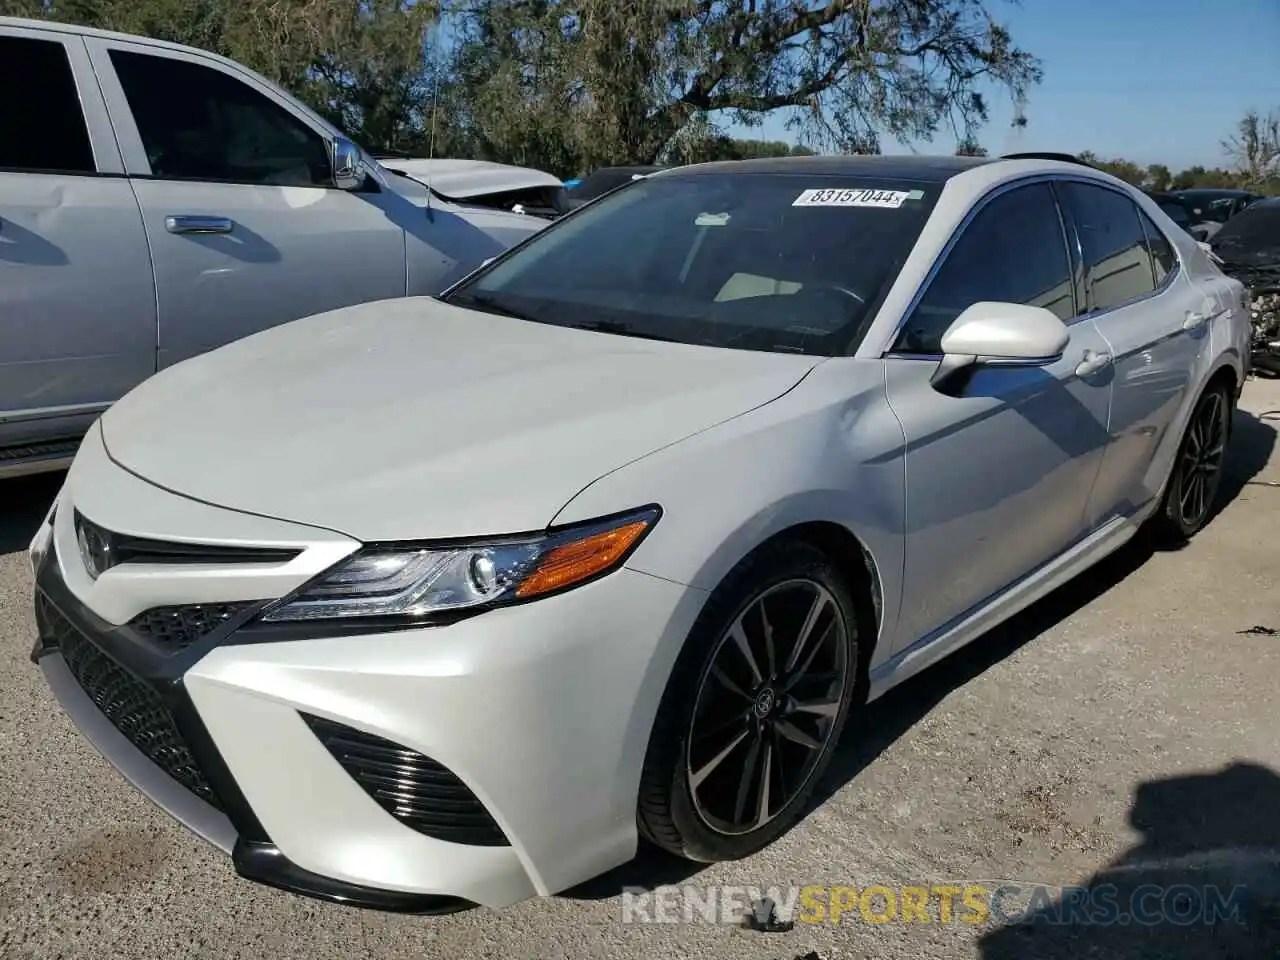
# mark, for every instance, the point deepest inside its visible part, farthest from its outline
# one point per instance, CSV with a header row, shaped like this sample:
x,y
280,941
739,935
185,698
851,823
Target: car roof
x,y
1221,192
57,26
928,169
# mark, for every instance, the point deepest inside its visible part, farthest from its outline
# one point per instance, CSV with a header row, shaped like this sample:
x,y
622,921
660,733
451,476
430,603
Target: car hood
x,y
412,418
467,179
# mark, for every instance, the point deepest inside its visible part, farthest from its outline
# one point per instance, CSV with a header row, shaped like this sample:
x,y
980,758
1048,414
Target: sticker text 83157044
x,y
852,198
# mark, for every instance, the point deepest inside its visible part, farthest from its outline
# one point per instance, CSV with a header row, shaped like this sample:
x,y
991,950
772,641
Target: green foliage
x,y
570,85
969,147
543,81
1158,177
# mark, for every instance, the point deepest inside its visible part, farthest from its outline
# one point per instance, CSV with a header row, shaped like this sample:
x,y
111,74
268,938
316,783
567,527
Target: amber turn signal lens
x,y
574,562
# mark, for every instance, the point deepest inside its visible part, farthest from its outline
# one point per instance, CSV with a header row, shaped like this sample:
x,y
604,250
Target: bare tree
x,y
1254,148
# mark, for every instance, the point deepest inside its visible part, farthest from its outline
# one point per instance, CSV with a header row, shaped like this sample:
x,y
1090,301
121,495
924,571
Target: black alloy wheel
x,y
767,706
755,705
1197,473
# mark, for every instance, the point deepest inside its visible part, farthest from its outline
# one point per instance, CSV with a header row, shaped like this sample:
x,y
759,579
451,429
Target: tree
x,y
1255,148
619,83
1159,177
1125,170
969,147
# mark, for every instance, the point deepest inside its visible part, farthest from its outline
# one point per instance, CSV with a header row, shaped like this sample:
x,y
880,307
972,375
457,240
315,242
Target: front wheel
x,y
754,708
1197,473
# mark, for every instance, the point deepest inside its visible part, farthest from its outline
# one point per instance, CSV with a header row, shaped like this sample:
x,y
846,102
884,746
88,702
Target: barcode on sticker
x,y
851,198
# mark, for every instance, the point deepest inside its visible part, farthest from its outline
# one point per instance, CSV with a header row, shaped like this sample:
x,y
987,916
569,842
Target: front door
x,y
246,229
997,478
77,301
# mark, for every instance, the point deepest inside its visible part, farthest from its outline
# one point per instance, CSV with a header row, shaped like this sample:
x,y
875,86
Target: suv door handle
x,y
185,223
1092,362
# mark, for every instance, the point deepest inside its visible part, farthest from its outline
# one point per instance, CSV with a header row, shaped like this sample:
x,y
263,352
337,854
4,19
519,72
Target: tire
x,y
710,817
1190,494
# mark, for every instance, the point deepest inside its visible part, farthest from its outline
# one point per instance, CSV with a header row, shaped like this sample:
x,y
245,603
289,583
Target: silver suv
x,y
157,201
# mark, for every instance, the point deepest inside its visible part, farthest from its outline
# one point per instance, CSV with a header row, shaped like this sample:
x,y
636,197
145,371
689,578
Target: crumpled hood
x,y
411,418
466,179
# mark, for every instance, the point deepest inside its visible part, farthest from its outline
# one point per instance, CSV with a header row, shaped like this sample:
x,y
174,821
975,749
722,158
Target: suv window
x,y
198,123
1163,259
1012,251
1117,263
41,128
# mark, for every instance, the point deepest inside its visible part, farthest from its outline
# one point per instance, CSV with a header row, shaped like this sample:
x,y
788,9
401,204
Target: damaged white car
x,y
484,183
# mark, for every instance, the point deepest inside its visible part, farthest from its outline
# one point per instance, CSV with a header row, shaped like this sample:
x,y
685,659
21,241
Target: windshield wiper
x,y
621,329
487,304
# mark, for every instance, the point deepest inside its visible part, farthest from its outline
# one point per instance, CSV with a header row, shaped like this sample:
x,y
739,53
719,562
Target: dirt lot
x,y
1122,732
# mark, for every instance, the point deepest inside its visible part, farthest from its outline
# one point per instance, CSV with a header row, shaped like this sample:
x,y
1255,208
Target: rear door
x,y
1156,322
77,301
246,228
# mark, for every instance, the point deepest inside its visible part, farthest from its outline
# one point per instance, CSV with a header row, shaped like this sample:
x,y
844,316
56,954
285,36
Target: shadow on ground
x,y
24,501
877,727
1253,440
1203,882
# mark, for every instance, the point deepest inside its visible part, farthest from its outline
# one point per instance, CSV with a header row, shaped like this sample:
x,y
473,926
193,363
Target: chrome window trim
x,y
1068,237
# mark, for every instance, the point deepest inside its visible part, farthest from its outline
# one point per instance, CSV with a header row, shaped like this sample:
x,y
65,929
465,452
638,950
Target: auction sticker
x,y
891,199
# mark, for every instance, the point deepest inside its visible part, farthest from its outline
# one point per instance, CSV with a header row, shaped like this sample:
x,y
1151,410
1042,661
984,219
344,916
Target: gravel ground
x,y
1121,732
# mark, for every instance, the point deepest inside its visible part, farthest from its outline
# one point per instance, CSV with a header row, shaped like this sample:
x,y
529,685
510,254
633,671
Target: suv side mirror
x,y
1000,334
347,165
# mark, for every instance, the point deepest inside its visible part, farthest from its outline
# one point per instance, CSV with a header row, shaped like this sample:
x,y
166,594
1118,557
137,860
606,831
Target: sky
x,y
1152,81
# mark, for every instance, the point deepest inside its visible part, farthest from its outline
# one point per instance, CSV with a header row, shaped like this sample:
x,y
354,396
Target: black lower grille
x,y
176,628
416,790
133,707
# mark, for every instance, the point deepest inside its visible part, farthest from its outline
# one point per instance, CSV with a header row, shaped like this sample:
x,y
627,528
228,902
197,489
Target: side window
x,y
41,128
1163,260
1012,251
1117,265
198,123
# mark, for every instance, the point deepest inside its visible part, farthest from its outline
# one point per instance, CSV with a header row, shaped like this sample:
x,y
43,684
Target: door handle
x,y
1092,362
1198,318
197,224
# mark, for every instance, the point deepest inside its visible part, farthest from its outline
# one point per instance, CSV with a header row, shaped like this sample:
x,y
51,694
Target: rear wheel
x,y
754,707
1197,473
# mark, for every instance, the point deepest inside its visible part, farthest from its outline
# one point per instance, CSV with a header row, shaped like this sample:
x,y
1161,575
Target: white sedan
x,y
429,602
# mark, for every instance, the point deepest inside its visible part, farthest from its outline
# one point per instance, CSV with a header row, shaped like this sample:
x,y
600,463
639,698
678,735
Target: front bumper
x,y
540,714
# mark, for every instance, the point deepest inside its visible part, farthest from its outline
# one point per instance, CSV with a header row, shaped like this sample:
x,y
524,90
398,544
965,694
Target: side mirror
x,y
1000,334
347,165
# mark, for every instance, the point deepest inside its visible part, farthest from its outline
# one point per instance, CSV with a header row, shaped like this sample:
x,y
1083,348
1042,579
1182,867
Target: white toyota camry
x,y
429,602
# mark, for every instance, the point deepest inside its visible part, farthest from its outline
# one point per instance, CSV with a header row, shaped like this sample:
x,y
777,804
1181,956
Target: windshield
x,y
1209,206
604,180
755,261
1176,212
1252,236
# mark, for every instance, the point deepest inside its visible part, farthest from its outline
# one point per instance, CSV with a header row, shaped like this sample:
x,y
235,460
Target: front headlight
x,y
414,582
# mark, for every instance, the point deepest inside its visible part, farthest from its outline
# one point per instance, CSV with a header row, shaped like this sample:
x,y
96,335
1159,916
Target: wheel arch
x,y
856,565
854,561
1228,376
